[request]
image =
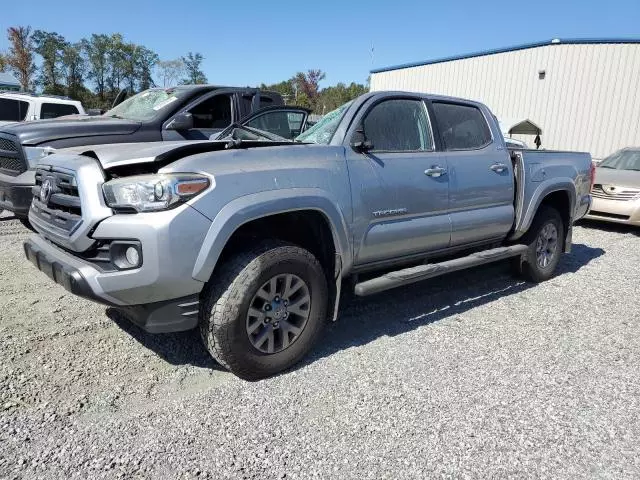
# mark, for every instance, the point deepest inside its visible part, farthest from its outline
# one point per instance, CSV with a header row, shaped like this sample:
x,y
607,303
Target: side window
x,y
13,110
462,127
399,125
282,123
214,112
54,110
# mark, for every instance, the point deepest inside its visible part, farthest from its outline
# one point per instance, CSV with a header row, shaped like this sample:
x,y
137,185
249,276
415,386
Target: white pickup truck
x,y
22,107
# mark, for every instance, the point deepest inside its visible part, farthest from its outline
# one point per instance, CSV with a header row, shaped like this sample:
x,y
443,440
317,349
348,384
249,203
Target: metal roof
x,y
8,79
555,41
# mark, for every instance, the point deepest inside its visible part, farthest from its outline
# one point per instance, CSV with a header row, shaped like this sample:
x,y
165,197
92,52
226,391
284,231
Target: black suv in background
x,y
186,112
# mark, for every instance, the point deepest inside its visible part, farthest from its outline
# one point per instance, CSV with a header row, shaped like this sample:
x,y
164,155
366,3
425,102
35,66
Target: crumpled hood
x,y
111,155
40,131
621,178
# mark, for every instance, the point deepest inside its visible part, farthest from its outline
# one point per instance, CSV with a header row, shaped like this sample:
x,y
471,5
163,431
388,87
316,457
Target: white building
x,y
583,94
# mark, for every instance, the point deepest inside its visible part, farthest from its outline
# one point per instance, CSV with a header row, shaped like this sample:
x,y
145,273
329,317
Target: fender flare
x,y
263,204
540,193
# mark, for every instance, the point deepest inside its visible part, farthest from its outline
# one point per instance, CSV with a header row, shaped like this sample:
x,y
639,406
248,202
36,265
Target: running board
x,y
423,272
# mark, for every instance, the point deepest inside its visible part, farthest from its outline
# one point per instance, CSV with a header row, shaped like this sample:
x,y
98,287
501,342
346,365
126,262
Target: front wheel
x,y
264,309
545,239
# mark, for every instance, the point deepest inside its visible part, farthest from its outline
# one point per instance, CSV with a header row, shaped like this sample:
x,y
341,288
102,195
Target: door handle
x,y
435,171
498,167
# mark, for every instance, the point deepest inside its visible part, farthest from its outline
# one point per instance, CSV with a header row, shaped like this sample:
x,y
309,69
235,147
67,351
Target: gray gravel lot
x,y
472,375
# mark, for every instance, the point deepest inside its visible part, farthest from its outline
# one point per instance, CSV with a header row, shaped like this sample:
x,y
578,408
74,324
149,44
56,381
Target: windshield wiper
x,y
606,166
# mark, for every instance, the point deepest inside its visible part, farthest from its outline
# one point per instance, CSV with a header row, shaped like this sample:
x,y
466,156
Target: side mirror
x,y
359,141
182,121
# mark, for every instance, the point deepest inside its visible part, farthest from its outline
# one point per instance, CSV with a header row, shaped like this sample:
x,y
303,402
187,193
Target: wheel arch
x,y
261,207
560,195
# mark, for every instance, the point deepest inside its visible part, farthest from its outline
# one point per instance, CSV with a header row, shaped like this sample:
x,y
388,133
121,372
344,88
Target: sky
x,y
250,42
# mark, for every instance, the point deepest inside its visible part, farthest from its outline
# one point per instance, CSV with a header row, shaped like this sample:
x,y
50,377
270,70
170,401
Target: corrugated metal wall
x,y
589,99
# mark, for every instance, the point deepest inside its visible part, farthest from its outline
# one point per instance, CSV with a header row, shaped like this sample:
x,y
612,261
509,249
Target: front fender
x,y
258,205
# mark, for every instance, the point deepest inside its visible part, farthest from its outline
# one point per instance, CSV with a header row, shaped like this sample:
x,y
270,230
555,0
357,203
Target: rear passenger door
x,y
481,183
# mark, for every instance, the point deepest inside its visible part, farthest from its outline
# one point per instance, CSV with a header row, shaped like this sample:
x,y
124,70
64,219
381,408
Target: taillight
x,y
592,175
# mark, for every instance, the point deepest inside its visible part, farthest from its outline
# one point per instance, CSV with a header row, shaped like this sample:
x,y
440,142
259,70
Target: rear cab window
x,y
54,110
12,110
462,127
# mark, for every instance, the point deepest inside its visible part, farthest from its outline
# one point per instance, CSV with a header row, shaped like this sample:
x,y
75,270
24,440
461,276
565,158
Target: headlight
x,y
35,154
149,193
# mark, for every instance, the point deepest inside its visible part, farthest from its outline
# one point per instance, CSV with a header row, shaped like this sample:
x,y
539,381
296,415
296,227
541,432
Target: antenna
x,y
372,52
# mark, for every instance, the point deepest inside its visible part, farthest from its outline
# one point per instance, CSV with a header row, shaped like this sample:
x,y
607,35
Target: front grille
x,y
612,192
62,209
11,159
8,145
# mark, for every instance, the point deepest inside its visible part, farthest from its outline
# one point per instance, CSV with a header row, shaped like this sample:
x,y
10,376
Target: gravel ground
x,y
470,375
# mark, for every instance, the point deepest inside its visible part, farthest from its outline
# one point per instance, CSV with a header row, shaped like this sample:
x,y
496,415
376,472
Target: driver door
x,y
210,114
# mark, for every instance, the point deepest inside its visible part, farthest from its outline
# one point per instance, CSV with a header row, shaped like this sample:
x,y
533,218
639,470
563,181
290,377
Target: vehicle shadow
x,y
363,320
183,348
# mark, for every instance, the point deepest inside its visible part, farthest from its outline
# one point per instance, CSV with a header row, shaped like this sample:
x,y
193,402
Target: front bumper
x,y
158,317
15,192
161,295
616,211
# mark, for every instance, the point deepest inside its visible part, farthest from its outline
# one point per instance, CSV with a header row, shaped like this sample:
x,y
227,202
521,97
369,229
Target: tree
x,y
74,67
3,63
170,71
20,57
146,61
192,64
285,88
307,86
50,46
97,51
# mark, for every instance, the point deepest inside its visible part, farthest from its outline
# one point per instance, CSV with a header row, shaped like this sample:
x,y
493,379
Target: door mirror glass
x,y
182,121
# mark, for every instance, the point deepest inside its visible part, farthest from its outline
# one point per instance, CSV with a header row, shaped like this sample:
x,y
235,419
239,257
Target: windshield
x,y
322,132
622,160
150,103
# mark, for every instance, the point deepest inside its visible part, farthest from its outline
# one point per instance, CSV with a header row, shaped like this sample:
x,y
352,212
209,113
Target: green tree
x,y
20,55
192,64
146,62
74,67
50,46
285,88
170,71
97,50
3,63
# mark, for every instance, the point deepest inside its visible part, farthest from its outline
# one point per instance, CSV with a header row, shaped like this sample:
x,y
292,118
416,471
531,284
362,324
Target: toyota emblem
x,y
45,191
610,189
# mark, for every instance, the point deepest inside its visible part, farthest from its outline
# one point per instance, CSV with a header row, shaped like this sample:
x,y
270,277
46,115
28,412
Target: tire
x,y
538,266
234,302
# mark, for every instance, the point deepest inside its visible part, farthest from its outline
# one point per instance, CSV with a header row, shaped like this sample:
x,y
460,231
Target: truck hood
x,y
41,131
621,178
113,155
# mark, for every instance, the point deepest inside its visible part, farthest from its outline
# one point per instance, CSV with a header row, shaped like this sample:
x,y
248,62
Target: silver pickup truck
x,y
251,239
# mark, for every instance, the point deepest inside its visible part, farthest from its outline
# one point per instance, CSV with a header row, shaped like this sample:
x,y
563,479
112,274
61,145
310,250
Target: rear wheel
x,y
545,239
264,309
